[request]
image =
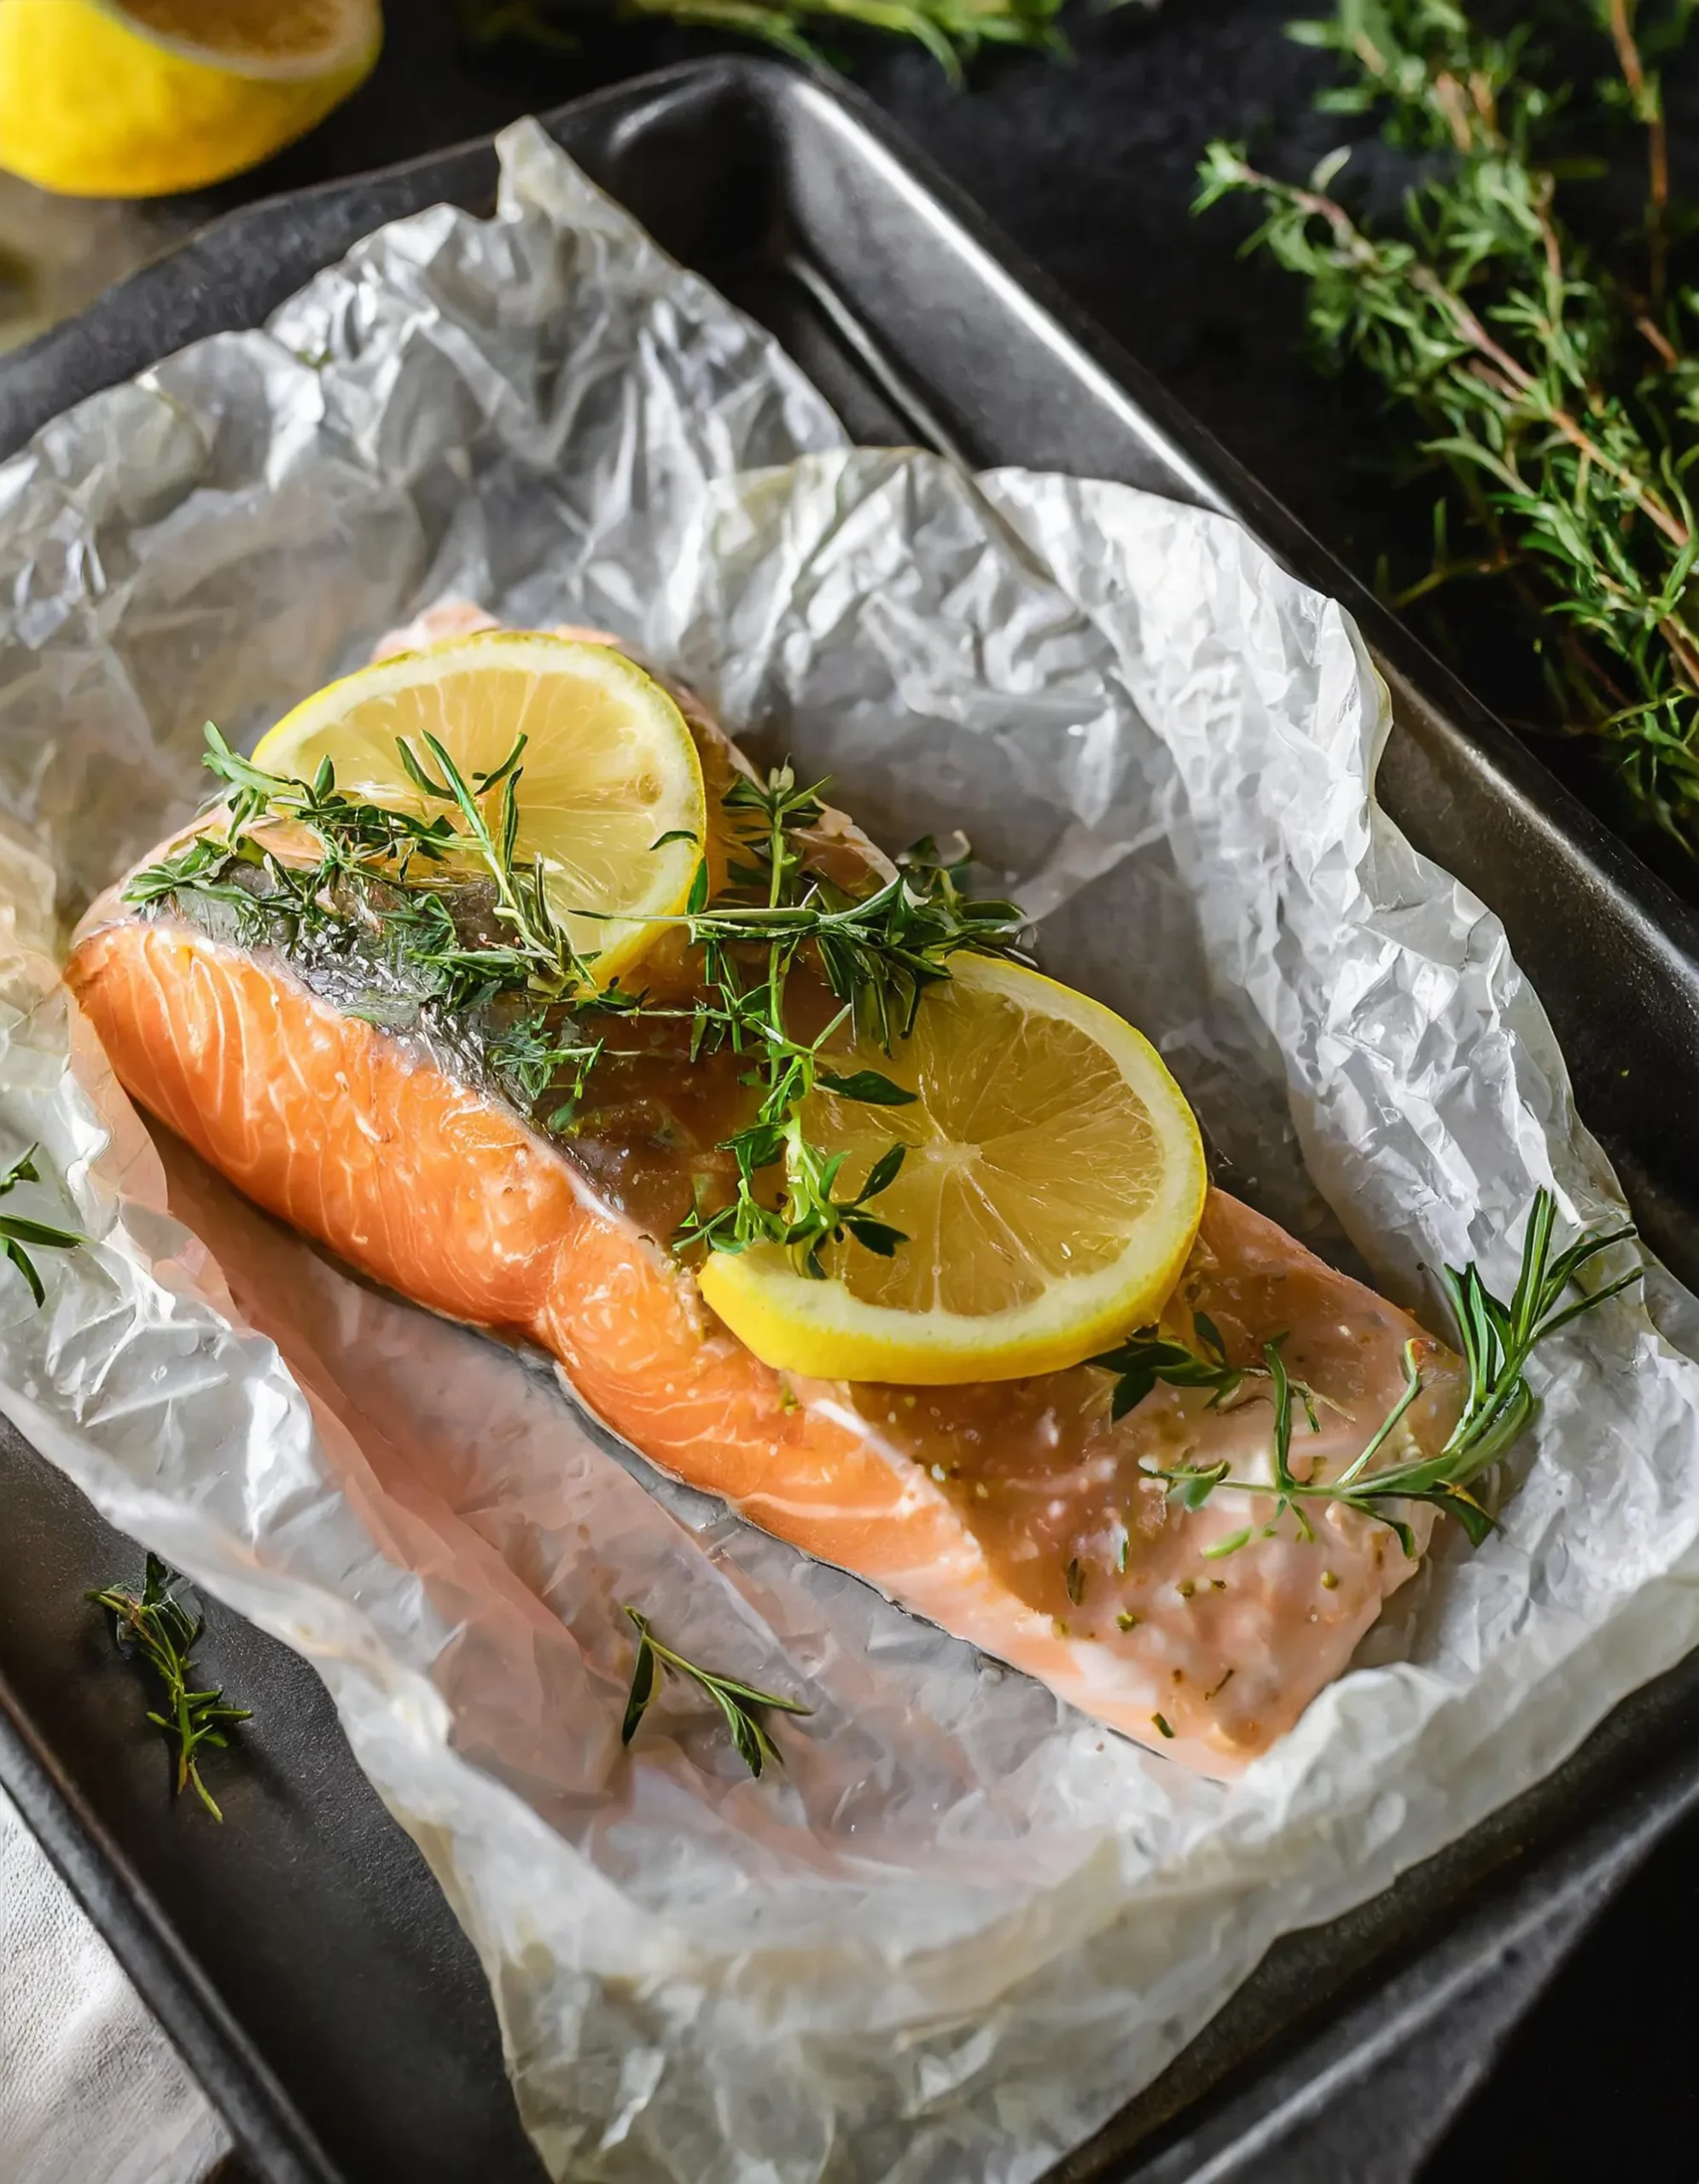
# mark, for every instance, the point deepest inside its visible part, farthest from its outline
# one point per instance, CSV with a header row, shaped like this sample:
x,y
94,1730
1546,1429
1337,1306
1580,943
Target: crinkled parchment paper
x,y
964,1924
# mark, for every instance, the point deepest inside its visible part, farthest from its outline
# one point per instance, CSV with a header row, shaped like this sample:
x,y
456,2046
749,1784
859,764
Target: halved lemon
x,y
1050,1192
609,792
133,98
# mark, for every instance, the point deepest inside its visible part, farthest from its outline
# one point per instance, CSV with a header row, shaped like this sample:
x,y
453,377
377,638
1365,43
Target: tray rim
x,y
1223,481
264,2119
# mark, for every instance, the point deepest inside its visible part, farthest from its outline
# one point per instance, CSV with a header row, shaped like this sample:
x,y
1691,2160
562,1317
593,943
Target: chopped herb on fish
x,y
741,1703
1497,1340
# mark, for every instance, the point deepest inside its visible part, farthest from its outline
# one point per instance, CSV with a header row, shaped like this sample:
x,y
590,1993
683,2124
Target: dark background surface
x,y
1089,166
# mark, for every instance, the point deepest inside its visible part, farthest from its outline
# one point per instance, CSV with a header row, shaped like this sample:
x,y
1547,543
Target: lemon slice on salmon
x,y
132,98
1050,1191
609,794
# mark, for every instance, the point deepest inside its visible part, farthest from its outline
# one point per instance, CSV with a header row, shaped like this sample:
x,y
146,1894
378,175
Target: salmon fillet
x,y
1020,1517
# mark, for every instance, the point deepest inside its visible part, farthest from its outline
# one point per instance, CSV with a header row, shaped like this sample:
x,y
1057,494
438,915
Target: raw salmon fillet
x,y
1017,1516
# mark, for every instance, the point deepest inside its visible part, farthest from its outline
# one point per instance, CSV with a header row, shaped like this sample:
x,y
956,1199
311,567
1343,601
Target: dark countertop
x,y
1089,166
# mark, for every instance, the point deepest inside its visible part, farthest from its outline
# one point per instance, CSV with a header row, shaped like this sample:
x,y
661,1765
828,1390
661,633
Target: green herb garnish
x,y
17,1231
1148,1357
153,1627
1496,1339
1555,387
879,954
741,1703
395,873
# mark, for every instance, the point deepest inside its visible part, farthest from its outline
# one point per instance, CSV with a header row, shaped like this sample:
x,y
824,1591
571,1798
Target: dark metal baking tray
x,y
302,1957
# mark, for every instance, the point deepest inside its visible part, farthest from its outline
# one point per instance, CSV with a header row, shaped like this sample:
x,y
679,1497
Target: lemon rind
x,y
275,750
819,1330
356,47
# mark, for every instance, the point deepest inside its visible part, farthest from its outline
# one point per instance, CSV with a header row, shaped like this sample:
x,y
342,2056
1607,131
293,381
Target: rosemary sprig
x,y
1497,1340
18,1233
952,30
741,1703
156,1628
1555,387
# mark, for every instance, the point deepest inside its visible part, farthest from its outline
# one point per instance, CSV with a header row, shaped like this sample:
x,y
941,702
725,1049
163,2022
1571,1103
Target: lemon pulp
x,y
610,794
1049,1193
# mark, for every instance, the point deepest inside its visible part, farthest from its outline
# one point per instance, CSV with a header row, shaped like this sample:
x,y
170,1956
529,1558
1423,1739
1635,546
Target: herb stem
x,y
741,1705
878,954
158,1629
1555,387
1647,98
19,1234
1497,1340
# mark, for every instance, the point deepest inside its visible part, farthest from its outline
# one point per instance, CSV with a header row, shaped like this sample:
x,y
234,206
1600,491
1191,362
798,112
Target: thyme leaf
x,y
19,1234
878,953
1148,1357
740,1704
156,1628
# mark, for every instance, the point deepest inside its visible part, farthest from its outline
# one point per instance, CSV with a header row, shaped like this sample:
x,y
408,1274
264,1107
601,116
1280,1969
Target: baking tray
x,y
302,1957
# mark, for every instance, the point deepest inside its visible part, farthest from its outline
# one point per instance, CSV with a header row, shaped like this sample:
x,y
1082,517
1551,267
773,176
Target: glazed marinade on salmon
x,y
1019,1515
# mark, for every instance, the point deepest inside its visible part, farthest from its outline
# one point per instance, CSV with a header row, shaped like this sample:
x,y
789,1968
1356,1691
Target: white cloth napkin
x,y
90,2090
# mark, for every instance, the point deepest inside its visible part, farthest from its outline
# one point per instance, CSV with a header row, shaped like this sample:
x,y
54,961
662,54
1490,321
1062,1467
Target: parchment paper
x,y
964,1924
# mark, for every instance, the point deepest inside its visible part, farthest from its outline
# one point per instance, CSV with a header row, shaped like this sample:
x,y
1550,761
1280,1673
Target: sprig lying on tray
x,y
155,1627
1555,385
950,30
1497,1340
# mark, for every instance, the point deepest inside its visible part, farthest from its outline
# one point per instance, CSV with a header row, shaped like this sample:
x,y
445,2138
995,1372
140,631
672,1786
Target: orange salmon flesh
x,y
1018,1517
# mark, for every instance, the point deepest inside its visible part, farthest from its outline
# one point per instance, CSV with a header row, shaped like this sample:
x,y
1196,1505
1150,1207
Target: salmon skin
x,y
1021,1517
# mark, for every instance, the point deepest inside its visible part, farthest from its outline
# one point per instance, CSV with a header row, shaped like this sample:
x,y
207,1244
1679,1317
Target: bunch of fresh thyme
x,y
1496,1339
1554,386
354,867
952,30
161,1633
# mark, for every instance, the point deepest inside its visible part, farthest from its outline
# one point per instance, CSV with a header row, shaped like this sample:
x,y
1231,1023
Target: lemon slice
x,y
1050,1193
133,98
610,789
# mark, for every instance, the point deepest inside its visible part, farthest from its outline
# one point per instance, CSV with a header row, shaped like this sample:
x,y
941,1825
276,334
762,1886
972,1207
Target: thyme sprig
x,y
19,1234
391,869
1497,1340
1555,387
360,845
156,1628
740,1704
879,954
1148,1357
